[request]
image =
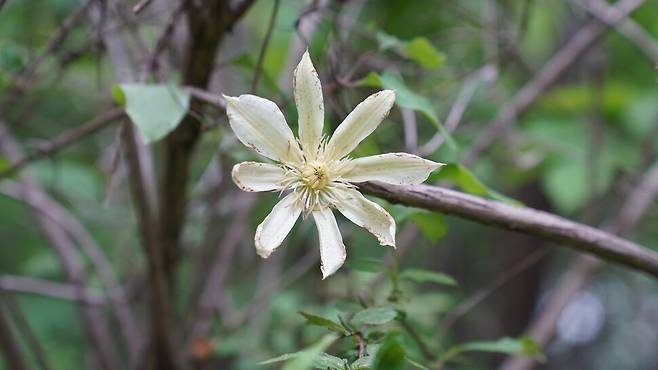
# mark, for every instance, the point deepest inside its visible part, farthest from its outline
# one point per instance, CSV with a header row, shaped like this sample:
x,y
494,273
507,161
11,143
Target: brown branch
x,y
13,357
263,48
25,330
115,293
24,78
65,139
65,250
214,282
21,284
627,27
584,268
527,220
548,75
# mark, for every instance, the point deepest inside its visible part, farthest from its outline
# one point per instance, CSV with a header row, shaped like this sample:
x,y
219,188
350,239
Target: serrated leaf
x,y
374,316
362,363
426,276
406,98
324,322
466,180
155,109
391,354
307,358
327,361
421,50
312,357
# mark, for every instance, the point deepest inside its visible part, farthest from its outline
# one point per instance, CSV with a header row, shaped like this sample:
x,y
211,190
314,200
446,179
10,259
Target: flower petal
x,y
276,226
367,214
360,123
310,106
259,124
392,168
332,249
255,176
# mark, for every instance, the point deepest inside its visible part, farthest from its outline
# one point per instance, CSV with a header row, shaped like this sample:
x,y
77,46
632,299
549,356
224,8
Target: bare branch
x,y
65,139
21,284
13,357
554,68
527,220
584,268
263,48
627,27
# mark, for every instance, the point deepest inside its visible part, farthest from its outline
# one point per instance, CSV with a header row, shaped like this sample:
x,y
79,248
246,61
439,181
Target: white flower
x,y
318,176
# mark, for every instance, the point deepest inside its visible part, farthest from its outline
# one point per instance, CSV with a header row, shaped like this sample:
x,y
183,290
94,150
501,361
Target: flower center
x,y
315,176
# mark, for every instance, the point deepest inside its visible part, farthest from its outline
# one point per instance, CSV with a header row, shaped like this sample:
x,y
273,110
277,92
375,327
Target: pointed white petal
x,y
255,176
367,214
332,250
360,123
276,226
392,168
259,124
310,106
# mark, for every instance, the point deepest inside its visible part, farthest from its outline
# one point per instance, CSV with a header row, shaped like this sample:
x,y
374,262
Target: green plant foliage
x,y
426,276
523,346
324,322
421,50
156,110
466,180
406,98
391,354
312,357
374,316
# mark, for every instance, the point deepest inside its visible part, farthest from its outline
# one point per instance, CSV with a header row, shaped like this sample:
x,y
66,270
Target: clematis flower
x,y
315,173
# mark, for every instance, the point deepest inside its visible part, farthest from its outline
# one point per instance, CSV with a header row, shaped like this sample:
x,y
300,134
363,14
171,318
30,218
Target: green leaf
x,y
466,180
426,276
307,358
365,265
362,363
391,354
374,316
523,346
312,357
386,41
566,184
421,50
324,322
417,364
156,110
431,224
327,361
406,98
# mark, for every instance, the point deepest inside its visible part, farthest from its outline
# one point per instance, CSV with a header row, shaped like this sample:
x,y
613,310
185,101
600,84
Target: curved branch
x,y
527,220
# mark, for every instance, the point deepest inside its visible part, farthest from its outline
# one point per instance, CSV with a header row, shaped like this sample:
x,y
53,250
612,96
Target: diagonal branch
x,y
527,220
65,139
549,74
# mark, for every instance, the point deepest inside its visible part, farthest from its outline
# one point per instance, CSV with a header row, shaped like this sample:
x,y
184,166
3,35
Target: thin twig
x,y
10,346
65,139
547,76
627,27
23,326
527,220
65,249
21,284
583,269
486,74
263,49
